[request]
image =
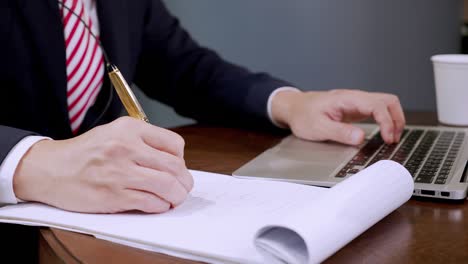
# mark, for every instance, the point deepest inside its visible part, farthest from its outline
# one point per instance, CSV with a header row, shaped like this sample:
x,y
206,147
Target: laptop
x,y
436,157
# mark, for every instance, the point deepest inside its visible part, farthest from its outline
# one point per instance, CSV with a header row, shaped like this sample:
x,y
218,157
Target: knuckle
x,y
178,141
348,134
114,147
381,110
393,100
139,201
369,108
99,130
180,199
167,181
175,192
179,196
126,119
137,180
190,182
125,122
121,121
107,178
157,207
147,203
380,118
401,124
177,165
338,92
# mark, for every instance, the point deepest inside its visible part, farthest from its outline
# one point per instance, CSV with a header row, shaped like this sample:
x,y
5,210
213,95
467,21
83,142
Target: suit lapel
x,y
113,23
45,25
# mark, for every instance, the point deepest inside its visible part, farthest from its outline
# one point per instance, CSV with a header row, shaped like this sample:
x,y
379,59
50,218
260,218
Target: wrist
x,y
27,184
282,104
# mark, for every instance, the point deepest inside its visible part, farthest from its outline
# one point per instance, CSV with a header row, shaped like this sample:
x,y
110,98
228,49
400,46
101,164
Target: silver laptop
x,y
437,158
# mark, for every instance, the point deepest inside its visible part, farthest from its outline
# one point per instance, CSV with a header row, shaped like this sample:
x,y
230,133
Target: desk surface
x,y
418,232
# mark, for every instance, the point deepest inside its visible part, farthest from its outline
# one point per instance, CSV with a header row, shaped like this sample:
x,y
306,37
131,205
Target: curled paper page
x,y
338,216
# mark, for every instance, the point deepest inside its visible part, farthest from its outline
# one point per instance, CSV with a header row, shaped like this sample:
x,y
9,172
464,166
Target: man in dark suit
x,y
61,141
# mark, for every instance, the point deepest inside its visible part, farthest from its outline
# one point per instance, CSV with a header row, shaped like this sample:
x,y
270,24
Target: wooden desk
x,y
418,232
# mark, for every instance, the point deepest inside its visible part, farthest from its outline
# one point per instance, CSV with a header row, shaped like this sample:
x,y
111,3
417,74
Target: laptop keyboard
x,y
428,155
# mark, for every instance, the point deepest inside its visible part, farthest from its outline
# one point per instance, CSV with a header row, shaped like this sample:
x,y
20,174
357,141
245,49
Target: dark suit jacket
x,y
149,46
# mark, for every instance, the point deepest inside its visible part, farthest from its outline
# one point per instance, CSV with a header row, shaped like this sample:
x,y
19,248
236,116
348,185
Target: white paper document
x,y
230,220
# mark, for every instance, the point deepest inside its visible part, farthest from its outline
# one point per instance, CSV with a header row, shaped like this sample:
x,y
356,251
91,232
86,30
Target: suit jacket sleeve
x,y
9,137
174,69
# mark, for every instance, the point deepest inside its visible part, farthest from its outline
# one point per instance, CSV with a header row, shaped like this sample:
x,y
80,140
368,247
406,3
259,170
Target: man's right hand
x,y
125,165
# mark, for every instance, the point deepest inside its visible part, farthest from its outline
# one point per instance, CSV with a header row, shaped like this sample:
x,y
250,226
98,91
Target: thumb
x,y
344,133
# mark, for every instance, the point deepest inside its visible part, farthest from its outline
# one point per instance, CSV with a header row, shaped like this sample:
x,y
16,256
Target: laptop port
x,y
426,192
445,194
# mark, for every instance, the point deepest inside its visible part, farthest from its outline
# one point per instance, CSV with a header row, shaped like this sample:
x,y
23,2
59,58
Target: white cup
x,y
451,81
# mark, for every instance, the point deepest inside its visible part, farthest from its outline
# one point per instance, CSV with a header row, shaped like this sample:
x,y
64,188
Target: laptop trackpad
x,y
302,161
293,148
298,160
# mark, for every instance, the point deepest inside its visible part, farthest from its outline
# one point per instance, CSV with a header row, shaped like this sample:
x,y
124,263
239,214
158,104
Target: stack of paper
x,y
245,221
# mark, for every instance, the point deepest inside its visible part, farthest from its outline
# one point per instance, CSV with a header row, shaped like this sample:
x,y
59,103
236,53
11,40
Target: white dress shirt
x,y
10,163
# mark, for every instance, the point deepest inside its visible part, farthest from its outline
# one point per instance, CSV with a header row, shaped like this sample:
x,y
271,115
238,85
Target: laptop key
x,y
442,176
341,174
440,181
407,146
363,156
420,179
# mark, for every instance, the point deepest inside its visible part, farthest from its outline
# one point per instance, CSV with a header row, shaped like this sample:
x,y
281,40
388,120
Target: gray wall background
x,y
374,45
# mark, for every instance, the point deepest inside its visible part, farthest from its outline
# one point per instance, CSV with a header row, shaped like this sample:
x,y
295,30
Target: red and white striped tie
x,y
85,62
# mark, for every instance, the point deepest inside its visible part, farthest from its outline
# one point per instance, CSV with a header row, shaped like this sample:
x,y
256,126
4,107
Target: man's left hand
x,y
327,115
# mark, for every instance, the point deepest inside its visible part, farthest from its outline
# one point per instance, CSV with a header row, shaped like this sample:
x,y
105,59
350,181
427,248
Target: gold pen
x,y
126,95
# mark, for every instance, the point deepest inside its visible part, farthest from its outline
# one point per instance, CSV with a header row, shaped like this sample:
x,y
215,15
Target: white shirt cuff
x,y
270,99
9,165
